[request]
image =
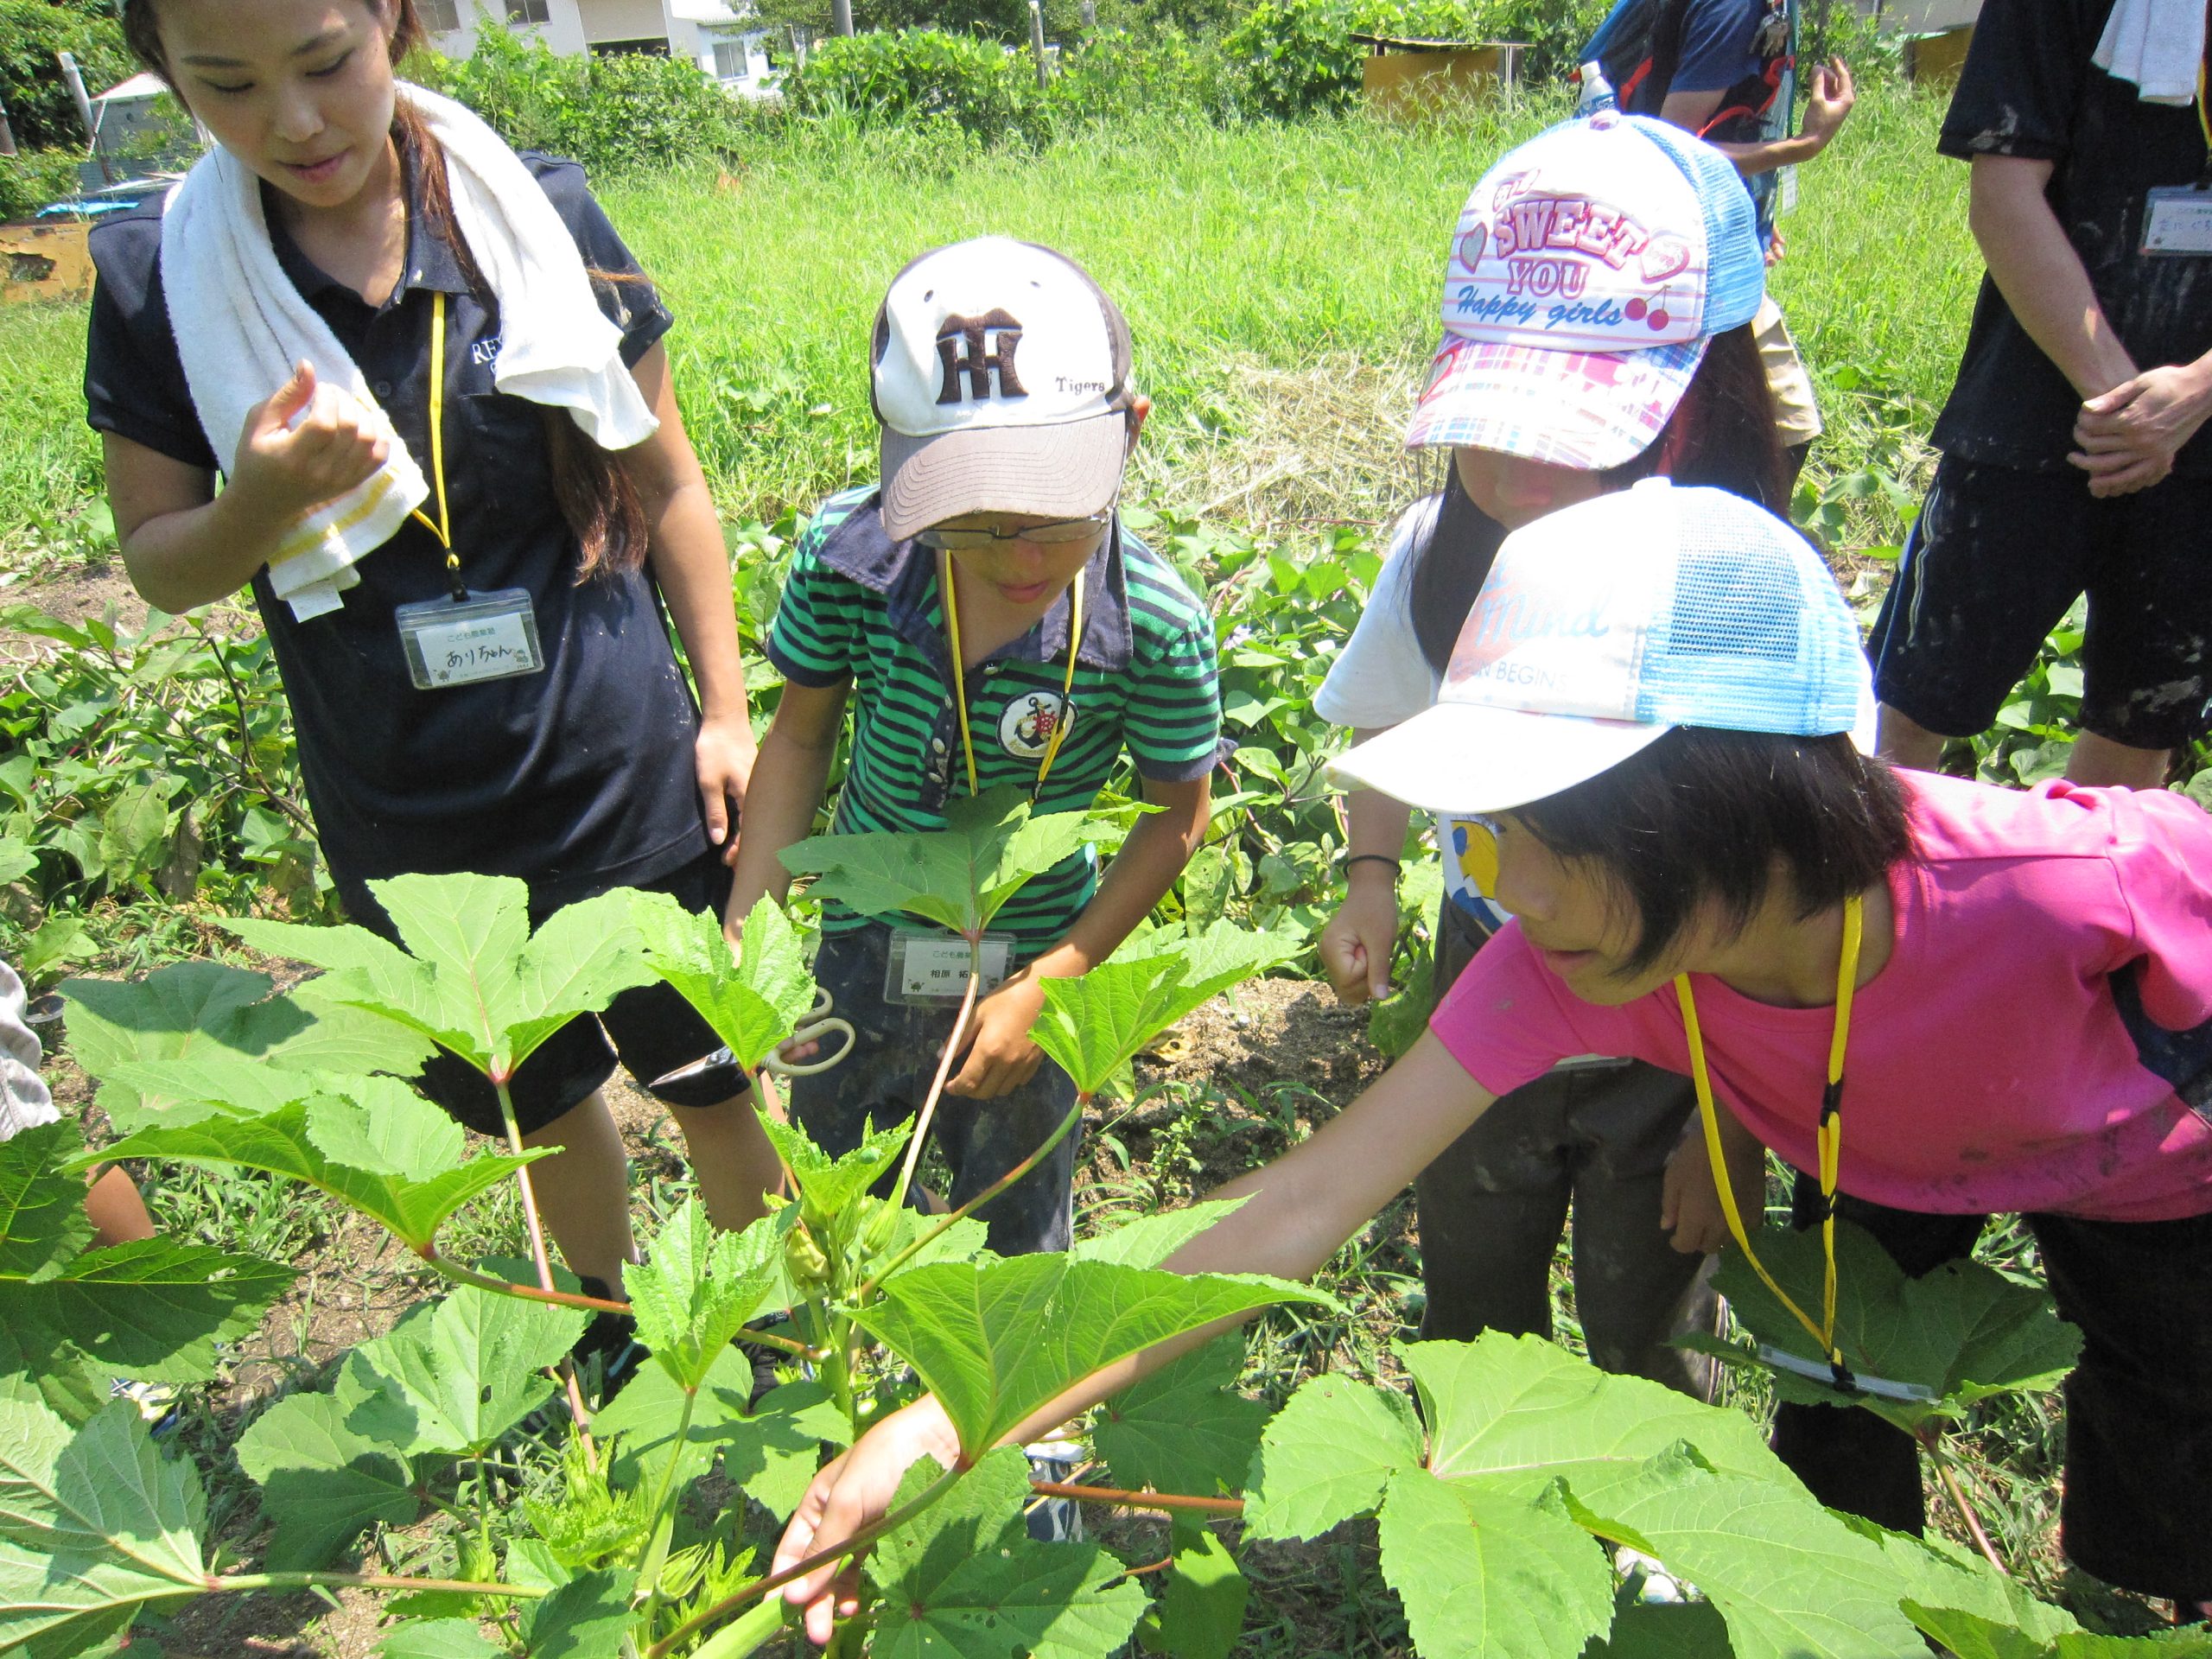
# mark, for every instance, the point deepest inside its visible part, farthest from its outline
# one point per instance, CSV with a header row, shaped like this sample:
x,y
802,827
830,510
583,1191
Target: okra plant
x,y
587,1532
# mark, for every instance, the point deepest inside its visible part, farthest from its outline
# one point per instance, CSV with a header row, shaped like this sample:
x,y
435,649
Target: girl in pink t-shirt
x,y
1651,703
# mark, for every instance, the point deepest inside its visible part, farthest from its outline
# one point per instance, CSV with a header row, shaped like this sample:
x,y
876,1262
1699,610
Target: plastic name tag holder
x,y
2178,221
461,641
934,968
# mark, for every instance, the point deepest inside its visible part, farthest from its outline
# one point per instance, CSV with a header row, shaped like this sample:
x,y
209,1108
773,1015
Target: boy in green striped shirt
x,y
1001,380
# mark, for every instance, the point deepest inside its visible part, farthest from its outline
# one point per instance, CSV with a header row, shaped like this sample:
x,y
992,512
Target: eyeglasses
x,y
1057,533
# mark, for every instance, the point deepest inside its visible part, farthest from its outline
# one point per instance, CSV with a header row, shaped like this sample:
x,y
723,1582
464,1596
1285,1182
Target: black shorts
x,y
1995,560
650,1028
2139,1417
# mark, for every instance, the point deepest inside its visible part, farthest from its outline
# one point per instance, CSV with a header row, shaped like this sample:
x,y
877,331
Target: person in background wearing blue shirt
x,y
1726,70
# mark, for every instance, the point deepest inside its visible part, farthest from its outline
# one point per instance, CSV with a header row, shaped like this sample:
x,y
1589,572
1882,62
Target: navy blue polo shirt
x,y
2028,90
576,778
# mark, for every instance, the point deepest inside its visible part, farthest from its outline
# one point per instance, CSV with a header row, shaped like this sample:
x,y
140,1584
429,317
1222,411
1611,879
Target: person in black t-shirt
x,y
600,769
2071,459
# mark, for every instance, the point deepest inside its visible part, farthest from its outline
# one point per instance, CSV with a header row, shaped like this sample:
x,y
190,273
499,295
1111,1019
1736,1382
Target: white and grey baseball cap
x,y
1000,378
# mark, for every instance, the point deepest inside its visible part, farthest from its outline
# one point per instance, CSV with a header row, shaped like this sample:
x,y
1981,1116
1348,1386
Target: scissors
x,y
817,1023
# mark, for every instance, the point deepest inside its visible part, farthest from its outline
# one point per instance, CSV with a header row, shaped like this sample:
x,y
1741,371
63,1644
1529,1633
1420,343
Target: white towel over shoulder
x,y
241,326
2157,44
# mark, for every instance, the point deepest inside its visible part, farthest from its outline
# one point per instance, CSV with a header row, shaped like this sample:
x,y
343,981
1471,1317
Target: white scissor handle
x,y
818,1024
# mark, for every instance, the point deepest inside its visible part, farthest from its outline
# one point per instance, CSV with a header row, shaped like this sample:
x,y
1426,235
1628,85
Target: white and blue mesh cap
x,y
1604,625
1588,271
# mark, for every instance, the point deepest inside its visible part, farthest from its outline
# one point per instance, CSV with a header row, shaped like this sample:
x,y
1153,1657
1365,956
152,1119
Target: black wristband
x,y
1396,864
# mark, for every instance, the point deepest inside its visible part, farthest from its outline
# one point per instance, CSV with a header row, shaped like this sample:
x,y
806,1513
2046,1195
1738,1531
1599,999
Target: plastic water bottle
x,y
1597,91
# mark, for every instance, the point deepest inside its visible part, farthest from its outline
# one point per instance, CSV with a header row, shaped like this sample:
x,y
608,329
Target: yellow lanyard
x,y
442,529
960,675
1830,1137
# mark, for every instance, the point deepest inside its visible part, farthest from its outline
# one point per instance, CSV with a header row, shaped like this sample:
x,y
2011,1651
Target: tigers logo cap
x,y
1000,378
1588,269
1604,625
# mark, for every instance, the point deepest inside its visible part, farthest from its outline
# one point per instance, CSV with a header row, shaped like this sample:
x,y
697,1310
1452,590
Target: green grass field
x,y
1281,282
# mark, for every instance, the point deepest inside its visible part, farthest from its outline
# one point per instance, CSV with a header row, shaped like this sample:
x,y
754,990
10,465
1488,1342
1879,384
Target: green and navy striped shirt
x,y
858,606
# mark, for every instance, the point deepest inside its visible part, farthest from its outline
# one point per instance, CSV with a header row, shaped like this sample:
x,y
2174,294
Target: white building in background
x,y
713,33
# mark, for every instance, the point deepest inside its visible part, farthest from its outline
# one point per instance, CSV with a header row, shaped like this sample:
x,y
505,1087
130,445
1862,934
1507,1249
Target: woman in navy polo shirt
x,y
596,768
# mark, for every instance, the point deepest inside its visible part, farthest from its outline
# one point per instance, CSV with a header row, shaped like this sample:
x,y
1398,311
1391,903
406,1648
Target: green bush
x,y
31,32
612,114
1299,54
919,72
31,179
1122,73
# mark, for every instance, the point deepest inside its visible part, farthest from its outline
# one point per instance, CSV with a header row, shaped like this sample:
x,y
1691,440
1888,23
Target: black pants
x,y
2136,1508
650,1028
1493,1204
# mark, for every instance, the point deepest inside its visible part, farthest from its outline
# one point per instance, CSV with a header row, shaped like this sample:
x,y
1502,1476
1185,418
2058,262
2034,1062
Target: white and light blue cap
x,y
1586,273
1604,625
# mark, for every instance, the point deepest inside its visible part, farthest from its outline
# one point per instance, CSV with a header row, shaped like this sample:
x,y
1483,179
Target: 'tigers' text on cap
x,y
999,373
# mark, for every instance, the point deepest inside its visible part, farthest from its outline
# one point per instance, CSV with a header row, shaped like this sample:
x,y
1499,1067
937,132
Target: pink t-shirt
x,y
1990,1066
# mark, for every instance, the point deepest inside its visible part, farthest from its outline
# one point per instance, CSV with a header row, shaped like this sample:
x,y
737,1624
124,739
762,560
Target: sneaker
x,y
156,1402
607,1356
1647,1580
1054,1519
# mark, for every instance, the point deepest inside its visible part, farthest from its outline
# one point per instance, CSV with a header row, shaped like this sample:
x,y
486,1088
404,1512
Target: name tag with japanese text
x,y
2178,220
459,642
934,967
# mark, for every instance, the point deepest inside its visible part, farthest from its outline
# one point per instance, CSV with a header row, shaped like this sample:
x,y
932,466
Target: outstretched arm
x,y
1301,1208
1827,102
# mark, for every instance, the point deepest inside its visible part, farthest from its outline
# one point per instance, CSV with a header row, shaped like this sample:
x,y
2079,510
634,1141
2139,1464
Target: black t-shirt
x,y
2029,90
576,778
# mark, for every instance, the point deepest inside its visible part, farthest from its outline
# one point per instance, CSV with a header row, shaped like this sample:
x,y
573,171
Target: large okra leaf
x,y
1486,1519
752,999
453,1376
1962,1332
1096,1025
995,1340
961,1580
381,1147
323,1482
153,1308
42,1219
958,877
94,1523
1184,1428
1969,1636
697,1287
199,1039
772,1452
473,978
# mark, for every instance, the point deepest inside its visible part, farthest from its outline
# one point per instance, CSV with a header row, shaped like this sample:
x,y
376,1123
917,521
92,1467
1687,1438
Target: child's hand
x,y
1001,1058
1689,1200
1357,943
851,1493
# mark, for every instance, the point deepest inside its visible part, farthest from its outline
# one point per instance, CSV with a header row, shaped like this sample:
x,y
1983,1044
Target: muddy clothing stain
x,y
2028,90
